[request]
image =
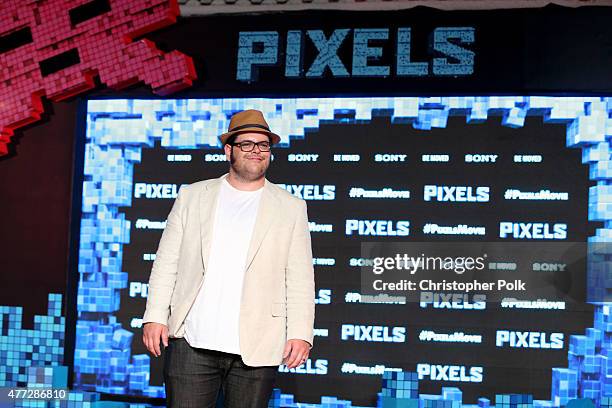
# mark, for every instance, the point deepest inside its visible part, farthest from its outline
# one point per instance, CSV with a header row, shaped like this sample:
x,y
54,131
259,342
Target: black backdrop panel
x,y
505,369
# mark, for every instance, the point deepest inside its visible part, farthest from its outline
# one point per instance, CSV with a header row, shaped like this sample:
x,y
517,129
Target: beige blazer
x,y
278,293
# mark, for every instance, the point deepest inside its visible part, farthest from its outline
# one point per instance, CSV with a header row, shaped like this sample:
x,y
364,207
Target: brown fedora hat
x,y
250,120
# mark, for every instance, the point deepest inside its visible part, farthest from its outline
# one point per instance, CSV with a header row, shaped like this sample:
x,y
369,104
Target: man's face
x,y
251,165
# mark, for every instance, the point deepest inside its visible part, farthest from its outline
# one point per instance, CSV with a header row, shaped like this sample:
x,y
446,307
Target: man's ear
x,y
228,149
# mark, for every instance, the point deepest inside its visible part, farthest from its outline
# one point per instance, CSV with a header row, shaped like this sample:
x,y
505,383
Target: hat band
x,y
249,126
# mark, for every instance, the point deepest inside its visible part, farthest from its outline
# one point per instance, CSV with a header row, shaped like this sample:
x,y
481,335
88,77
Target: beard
x,y
245,172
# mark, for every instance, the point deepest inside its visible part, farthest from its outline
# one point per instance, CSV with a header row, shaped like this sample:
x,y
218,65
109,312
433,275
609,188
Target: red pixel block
x,y
55,48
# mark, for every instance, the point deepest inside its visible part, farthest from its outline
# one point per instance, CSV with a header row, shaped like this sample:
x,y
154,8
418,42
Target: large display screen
x,y
372,169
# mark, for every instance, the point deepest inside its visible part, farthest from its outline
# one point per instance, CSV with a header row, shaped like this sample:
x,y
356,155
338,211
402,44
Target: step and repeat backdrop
x,y
372,169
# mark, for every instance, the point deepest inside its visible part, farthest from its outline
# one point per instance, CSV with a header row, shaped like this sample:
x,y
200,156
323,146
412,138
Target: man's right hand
x,y
152,335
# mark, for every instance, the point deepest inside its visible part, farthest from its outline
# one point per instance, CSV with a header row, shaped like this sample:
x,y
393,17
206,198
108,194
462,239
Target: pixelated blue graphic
x,y
401,389
22,350
33,358
117,130
278,400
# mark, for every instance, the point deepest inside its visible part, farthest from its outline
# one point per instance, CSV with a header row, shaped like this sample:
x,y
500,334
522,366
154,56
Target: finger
x,y
156,341
301,354
147,343
165,336
294,358
301,360
291,358
146,338
289,361
304,352
287,350
150,346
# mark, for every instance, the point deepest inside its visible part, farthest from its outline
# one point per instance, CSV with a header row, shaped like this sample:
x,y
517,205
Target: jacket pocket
x,y
279,309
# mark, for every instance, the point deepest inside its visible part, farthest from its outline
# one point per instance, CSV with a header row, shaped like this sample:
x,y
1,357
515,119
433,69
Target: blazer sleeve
x,y
165,266
299,280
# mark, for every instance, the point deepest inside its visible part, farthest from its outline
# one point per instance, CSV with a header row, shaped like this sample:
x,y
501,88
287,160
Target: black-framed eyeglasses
x,y
248,146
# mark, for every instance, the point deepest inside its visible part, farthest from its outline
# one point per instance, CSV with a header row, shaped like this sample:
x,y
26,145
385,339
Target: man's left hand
x,y
296,353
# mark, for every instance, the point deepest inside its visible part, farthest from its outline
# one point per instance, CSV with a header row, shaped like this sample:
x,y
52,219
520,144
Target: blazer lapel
x,y
208,206
265,216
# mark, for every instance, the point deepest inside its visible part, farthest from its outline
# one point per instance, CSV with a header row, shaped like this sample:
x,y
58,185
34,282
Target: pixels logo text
x,y
258,49
383,334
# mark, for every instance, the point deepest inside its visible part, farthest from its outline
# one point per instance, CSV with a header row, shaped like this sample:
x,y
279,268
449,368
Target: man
x,y
231,292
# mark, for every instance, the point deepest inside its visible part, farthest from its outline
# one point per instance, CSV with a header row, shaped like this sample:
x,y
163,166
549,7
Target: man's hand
x,y
152,335
296,353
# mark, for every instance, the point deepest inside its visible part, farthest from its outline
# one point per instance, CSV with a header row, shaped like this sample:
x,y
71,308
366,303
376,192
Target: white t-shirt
x,y
213,321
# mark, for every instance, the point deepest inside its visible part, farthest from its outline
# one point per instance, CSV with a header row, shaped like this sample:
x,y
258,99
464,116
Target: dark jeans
x,y
194,377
